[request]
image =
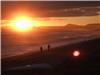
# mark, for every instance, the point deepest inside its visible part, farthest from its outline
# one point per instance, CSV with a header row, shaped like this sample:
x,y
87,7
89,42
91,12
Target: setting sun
x,y
23,24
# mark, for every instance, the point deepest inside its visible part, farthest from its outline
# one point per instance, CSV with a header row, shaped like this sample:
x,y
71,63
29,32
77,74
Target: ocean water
x,y
13,43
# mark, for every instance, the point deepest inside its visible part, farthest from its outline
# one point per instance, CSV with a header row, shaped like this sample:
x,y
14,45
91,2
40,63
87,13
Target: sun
x,y
23,24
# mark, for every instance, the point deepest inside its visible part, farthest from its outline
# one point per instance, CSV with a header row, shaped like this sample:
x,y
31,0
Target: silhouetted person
x,y
48,47
41,49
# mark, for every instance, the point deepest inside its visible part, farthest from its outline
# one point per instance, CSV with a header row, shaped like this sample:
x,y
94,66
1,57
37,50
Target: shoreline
x,y
60,43
53,58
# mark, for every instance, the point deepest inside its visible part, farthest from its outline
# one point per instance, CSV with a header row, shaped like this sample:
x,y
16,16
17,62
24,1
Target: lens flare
x,y
76,53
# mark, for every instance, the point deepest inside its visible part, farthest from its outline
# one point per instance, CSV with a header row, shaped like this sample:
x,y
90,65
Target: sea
x,y
17,43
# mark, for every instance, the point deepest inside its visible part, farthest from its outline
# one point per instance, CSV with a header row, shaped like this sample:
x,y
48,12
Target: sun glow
x,y
23,24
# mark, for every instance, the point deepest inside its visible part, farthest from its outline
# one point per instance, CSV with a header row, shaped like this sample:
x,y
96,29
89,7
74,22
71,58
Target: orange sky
x,y
52,13
61,21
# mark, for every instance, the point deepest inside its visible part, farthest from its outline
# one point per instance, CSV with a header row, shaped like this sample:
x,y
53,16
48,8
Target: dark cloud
x,y
51,8
79,11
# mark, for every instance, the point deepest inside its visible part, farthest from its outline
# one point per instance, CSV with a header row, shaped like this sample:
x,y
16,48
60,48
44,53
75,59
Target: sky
x,y
53,13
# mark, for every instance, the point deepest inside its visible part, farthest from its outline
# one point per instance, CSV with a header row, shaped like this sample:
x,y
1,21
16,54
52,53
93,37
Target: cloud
x,y
80,11
50,8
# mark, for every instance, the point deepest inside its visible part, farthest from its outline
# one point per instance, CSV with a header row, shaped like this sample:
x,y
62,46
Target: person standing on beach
x,y
41,49
48,47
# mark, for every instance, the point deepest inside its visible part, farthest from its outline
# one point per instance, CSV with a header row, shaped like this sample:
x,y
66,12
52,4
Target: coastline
x,y
59,43
54,57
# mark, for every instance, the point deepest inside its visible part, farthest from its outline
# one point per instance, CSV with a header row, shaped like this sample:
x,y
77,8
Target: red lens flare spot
x,y
76,53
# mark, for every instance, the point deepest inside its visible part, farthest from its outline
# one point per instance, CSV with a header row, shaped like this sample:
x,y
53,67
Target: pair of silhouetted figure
x,y
41,48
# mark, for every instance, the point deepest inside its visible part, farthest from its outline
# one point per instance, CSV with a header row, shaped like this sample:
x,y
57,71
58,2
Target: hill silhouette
x,y
94,26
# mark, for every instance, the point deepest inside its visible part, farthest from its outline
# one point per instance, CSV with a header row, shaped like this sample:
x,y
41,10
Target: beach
x,y
56,55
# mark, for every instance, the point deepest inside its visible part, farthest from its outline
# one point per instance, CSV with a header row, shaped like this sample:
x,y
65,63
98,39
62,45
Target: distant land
x,y
88,26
